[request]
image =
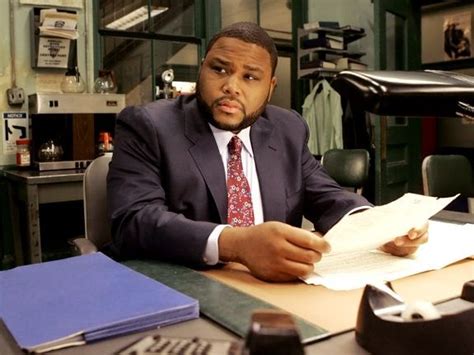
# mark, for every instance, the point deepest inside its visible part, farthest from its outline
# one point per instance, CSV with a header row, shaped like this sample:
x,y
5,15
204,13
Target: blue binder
x,y
85,298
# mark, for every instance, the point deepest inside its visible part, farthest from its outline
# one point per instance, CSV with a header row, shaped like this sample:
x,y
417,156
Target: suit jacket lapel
x,y
206,155
267,149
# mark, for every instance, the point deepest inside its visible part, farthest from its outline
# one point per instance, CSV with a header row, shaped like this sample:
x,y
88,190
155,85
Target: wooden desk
x,y
34,188
336,311
333,310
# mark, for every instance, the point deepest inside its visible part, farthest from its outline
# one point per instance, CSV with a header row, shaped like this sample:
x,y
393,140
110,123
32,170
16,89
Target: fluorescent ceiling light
x,y
135,17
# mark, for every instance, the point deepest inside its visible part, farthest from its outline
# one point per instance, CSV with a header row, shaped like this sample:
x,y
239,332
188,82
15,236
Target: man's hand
x,y
273,251
407,244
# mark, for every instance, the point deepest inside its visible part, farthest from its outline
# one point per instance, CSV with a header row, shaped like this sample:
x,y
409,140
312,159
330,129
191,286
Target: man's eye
x,y
218,69
251,77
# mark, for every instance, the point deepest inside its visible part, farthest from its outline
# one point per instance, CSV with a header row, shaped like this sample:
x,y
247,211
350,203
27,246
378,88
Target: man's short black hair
x,y
249,32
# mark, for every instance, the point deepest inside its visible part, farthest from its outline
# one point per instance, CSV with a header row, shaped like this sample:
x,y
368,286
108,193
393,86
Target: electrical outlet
x,y
16,96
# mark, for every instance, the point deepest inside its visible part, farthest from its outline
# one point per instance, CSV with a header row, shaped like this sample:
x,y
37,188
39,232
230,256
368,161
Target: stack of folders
x,y
82,299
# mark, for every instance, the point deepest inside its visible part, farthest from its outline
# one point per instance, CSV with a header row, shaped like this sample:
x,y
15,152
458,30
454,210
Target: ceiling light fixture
x,y
135,17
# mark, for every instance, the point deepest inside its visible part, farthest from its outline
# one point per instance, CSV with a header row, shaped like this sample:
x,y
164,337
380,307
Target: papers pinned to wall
x,y
58,24
54,34
63,3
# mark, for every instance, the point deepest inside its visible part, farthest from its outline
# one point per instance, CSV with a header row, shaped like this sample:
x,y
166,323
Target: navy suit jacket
x,y
167,185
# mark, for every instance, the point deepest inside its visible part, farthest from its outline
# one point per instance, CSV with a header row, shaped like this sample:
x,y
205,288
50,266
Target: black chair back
x,y
349,167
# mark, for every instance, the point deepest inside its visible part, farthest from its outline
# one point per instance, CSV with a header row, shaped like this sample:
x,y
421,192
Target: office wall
x,y
40,80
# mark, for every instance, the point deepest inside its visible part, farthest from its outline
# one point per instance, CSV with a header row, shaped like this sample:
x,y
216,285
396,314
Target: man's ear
x,y
273,85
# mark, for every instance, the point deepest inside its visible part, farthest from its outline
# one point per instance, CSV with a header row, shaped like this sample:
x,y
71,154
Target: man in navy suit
x,y
167,193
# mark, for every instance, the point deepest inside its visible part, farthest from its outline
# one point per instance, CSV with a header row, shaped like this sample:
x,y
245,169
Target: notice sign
x,y
53,52
15,126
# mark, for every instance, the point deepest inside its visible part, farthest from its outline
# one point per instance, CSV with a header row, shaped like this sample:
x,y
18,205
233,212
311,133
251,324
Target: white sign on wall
x,y
53,52
15,126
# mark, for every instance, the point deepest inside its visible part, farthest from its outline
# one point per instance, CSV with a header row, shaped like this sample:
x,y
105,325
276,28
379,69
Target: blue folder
x,y
85,298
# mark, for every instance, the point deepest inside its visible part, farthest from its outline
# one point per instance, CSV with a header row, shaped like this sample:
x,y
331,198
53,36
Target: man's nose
x,y
231,86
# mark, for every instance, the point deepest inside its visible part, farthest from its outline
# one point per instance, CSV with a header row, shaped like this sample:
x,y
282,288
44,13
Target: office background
x,y
275,16
139,58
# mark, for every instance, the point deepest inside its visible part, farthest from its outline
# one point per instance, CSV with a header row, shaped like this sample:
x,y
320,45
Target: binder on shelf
x,y
324,42
353,29
336,37
318,63
82,299
321,24
350,63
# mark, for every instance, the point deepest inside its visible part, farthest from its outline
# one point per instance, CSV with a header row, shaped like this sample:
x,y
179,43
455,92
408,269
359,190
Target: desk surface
x,y
203,328
336,311
333,310
43,177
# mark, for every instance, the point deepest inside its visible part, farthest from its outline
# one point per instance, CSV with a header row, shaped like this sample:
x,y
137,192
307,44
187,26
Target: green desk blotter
x,y
223,304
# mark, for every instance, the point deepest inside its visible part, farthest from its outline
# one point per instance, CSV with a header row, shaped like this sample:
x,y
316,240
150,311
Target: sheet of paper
x,y
447,243
376,226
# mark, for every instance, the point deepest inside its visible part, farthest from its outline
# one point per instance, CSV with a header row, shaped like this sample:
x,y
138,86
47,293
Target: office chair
x,y
97,227
448,175
349,167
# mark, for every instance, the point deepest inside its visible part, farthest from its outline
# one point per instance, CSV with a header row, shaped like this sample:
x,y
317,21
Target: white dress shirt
x,y
211,253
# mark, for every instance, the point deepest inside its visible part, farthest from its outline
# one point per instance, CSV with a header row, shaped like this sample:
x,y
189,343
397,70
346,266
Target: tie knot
x,y
235,145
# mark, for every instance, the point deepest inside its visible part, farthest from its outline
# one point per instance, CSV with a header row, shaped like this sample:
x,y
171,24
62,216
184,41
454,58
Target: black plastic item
x,y
468,291
409,93
452,333
273,332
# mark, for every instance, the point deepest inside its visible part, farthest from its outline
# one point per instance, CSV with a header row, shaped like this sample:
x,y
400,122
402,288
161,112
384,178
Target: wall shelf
x,y
323,55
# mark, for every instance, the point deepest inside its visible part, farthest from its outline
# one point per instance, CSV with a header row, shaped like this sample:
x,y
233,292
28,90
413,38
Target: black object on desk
x,y
448,328
158,344
273,333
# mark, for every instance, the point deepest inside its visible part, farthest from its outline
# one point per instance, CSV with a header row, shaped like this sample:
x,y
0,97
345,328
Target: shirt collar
x,y
223,137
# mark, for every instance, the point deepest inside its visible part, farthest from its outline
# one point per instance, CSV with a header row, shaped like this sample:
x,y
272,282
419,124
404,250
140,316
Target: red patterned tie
x,y
239,207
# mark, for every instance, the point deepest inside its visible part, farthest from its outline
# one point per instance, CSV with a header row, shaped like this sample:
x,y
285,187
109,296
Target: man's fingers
x,y
415,233
298,269
301,255
307,240
406,241
391,248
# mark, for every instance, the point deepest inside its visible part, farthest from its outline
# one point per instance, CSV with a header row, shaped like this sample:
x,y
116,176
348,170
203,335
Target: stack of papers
x,y
81,299
354,260
60,24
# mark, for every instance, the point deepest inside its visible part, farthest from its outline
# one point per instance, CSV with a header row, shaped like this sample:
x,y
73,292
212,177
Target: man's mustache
x,y
219,100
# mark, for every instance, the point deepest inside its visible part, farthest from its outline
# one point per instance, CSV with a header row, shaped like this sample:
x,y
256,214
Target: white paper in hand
x,y
374,227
